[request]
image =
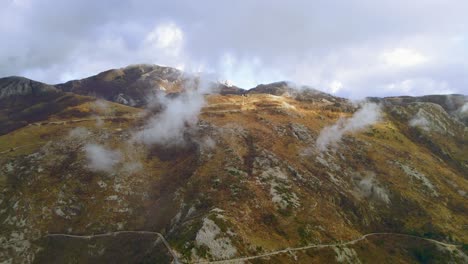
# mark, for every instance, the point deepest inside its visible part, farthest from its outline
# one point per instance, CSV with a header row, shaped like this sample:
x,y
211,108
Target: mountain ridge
x,y
151,77
137,85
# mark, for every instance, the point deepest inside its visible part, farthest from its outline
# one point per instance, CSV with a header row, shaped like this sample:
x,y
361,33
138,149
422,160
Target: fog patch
x,y
99,121
132,167
208,143
432,118
464,109
369,187
177,115
79,133
367,115
421,122
101,106
100,158
169,126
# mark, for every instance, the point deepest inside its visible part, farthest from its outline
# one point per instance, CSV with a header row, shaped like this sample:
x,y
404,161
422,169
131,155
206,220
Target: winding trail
x,y
166,244
63,122
269,254
69,121
288,250
20,147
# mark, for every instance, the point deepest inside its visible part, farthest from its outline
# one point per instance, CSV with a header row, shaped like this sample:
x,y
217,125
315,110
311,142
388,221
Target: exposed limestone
x,y
419,176
301,132
278,180
219,245
346,255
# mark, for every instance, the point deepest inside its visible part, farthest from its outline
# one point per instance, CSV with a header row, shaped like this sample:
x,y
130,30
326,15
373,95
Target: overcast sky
x,y
351,48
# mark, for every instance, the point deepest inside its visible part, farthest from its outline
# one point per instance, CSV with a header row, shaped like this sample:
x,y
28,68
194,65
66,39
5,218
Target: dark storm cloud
x,y
352,48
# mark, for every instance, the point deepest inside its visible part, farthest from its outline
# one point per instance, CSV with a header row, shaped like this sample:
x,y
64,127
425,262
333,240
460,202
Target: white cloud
x,y
331,135
403,57
418,86
370,187
246,72
168,37
464,108
100,158
421,122
178,114
335,87
79,133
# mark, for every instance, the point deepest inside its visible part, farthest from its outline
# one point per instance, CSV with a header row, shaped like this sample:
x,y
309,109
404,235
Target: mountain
x,y
130,85
19,86
136,85
274,174
23,101
454,104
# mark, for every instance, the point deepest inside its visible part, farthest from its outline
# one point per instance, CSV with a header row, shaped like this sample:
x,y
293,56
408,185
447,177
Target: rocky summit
x,y
147,164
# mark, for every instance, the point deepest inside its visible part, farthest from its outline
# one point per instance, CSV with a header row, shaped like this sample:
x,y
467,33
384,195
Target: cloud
x,y
335,86
421,122
206,144
403,57
79,133
178,113
101,106
100,158
245,72
247,42
418,86
166,37
132,167
369,187
464,108
367,115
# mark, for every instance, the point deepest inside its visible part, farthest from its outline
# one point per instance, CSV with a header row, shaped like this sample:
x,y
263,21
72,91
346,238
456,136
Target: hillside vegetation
x,y
252,172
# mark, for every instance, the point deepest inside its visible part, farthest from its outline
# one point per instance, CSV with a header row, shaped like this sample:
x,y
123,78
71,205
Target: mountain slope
x,y
247,178
23,101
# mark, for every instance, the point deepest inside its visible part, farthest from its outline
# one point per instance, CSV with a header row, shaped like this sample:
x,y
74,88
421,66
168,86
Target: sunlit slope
x,y
248,180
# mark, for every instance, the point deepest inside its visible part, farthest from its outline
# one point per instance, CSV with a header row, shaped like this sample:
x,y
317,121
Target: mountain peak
x,y
131,85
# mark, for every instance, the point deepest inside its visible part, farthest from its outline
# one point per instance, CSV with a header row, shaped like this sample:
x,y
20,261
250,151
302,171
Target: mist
x,y
420,121
367,115
177,115
100,158
79,133
369,187
464,108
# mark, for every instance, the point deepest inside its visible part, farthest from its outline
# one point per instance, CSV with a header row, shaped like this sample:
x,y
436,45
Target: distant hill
x,y
23,101
454,104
